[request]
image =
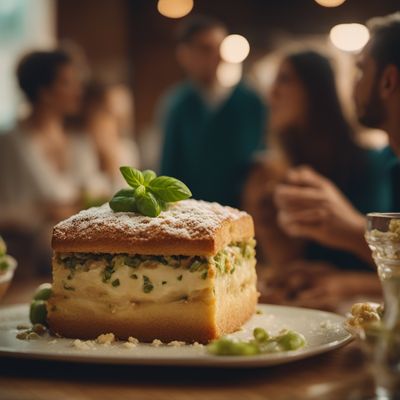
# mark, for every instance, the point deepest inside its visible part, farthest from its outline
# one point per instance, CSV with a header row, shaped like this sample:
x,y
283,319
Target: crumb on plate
x,y
105,338
156,343
133,340
176,343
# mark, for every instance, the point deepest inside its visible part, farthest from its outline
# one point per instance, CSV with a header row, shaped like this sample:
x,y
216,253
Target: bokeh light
x,y
234,49
330,3
229,74
349,37
174,8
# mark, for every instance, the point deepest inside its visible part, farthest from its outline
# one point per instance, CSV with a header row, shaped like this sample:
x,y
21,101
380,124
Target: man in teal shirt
x,y
210,132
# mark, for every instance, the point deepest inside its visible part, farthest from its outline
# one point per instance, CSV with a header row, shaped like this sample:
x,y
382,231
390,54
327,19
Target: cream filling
x,y
168,284
244,276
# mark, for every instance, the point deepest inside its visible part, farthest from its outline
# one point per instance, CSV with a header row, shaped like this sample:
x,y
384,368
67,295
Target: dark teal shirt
x,y
210,149
373,191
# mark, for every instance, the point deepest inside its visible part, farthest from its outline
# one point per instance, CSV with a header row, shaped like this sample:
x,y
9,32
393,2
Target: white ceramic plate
x,y
323,331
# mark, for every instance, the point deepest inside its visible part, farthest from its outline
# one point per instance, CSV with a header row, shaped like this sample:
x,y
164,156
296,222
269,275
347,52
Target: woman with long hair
x,y
307,127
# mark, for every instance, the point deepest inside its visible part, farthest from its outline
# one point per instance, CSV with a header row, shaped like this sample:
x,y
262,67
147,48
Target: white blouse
x,y
28,181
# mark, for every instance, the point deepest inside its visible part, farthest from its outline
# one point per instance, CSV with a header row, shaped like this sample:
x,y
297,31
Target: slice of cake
x,y
188,274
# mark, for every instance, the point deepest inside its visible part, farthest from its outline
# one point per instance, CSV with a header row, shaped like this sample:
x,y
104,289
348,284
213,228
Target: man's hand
x,y
315,284
331,292
310,206
286,282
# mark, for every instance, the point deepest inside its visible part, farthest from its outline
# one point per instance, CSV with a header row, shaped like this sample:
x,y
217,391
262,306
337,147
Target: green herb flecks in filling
x,y
115,283
107,273
225,261
147,285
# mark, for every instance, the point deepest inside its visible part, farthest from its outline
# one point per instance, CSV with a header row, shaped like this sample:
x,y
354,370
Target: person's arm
x,y
332,291
103,130
275,245
310,206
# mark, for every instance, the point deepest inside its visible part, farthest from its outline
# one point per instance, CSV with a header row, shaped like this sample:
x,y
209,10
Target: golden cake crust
x,y
189,227
185,321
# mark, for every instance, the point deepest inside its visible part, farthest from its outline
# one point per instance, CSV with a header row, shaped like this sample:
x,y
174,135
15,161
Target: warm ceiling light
x,y
349,37
330,3
174,8
229,74
234,48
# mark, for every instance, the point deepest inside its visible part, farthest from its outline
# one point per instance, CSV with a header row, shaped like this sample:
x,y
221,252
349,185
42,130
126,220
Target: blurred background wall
x,y
130,45
130,42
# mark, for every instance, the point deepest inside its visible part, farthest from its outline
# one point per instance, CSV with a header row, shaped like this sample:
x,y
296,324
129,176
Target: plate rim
x,y
255,361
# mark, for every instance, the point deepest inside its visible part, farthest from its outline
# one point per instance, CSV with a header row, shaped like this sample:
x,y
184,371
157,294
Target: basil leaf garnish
x,y
149,194
133,176
169,189
123,201
148,176
148,205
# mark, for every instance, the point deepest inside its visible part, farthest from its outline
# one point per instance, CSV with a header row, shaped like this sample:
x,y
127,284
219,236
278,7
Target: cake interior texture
x,y
188,298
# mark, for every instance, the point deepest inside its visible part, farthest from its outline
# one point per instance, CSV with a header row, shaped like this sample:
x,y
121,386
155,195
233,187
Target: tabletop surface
x,y
340,374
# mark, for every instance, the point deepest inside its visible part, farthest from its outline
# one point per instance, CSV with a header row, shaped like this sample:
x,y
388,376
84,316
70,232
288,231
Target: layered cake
x,y
187,274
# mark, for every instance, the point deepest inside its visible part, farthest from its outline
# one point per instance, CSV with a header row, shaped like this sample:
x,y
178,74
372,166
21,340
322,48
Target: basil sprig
x,y
148,194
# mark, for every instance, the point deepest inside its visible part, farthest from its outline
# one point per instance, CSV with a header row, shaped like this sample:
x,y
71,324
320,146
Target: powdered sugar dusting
x,y
188,219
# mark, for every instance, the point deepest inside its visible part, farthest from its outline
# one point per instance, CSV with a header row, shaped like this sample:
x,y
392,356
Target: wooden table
x,y
338,375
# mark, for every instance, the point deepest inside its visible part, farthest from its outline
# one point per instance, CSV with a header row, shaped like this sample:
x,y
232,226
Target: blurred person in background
x,y
326,217
104,111
44,170
210,132
313,146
